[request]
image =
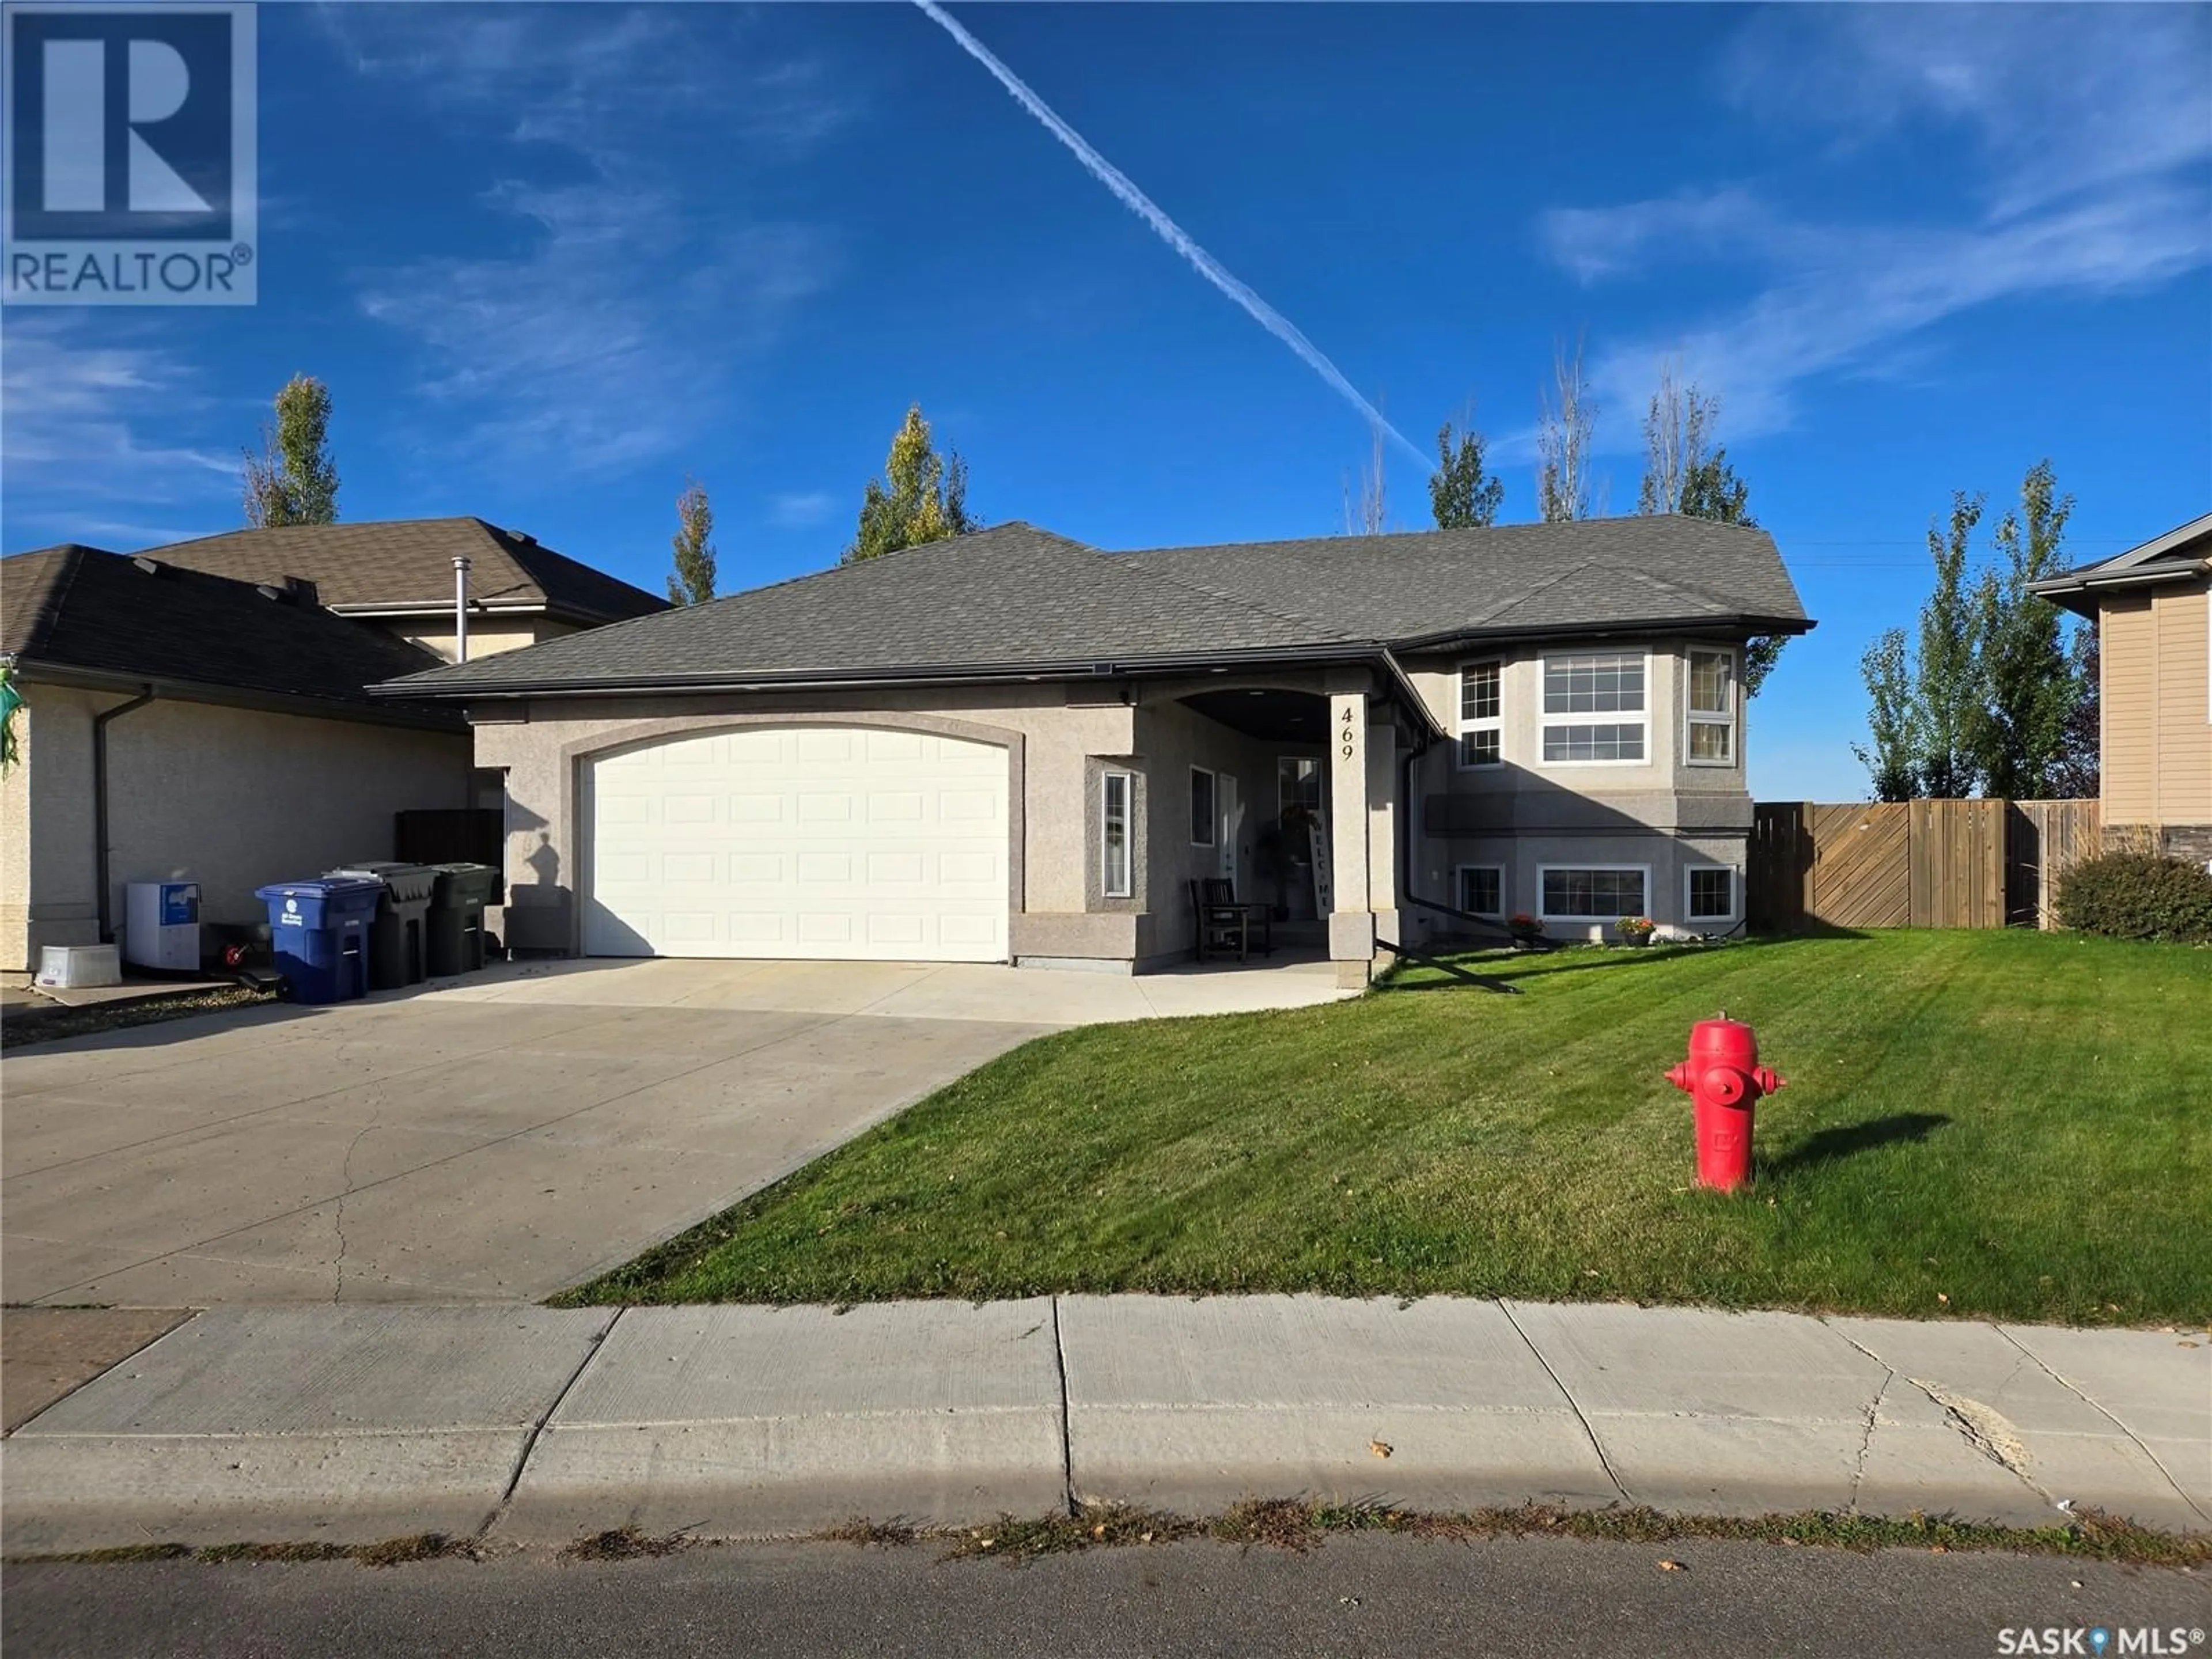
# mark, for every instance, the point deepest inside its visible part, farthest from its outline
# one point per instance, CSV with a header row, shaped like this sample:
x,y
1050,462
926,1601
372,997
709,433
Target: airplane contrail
x,y
1172,232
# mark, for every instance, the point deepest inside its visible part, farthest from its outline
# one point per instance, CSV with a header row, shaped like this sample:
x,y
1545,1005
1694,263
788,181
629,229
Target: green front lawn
x,y
2021,1123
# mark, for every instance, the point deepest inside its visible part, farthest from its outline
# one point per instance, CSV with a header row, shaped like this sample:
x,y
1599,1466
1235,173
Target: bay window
x,y
1711,740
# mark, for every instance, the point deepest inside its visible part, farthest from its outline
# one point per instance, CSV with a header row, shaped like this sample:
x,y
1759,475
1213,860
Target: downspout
x,y
99,805
460,607
1409,840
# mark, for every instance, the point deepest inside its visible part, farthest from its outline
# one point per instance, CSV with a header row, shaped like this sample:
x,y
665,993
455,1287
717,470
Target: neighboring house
x,y
1014,746
2153,609
398,574
182,727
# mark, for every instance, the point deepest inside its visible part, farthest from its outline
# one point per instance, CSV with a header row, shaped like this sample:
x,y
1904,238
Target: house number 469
x,y
1349,735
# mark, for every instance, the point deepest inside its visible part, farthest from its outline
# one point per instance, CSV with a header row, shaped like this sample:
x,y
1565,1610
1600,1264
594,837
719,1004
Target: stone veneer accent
x,y
2189,842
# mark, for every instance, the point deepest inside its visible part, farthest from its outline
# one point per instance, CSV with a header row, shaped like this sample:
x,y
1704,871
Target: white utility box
x,y
162,925
78,967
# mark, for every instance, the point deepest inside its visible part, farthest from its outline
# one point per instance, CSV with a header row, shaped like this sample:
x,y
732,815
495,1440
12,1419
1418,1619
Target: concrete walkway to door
x,y
499,1136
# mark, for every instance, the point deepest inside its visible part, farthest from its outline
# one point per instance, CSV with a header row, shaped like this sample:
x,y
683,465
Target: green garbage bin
x,y
454,937
395,938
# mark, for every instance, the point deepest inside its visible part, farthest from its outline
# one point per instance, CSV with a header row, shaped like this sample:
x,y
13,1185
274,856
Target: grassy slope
x,y
2020,1123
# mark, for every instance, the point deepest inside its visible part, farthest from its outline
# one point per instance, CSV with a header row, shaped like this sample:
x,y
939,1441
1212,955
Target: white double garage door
x,y
836,842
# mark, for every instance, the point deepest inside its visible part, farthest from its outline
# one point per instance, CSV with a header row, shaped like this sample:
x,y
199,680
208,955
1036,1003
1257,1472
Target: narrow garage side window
x,y
1201,807
1114,835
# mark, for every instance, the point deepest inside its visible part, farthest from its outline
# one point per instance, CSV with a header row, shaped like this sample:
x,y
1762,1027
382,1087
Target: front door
x,y
1232,826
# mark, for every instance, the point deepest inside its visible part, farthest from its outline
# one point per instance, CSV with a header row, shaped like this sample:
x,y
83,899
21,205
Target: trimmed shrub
x,y
2138,895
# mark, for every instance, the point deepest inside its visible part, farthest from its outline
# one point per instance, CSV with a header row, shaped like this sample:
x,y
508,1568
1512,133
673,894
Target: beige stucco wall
x,y
48,895
18,939
1172,739
1663,813
1061,741
488,637
2153,651
230,798
1052,742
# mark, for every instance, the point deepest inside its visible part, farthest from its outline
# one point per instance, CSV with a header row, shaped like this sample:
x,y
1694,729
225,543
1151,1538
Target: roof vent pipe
x,y
460,608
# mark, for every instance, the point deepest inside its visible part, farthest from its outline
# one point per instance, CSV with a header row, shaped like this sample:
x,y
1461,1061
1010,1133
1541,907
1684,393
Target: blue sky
x,y
551,259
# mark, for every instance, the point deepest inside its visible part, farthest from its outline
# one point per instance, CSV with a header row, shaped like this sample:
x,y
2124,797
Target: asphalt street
x,y
1349,1597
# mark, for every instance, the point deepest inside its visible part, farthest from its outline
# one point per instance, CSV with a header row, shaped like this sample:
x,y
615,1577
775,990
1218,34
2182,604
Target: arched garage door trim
x,y
889,896
583,753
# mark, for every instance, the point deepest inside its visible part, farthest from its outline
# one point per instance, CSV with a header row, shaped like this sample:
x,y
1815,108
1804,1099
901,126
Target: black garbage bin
x,y
395,938
455,936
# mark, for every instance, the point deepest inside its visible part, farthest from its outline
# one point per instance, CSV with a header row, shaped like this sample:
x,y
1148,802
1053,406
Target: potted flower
x,y
1635,930
1527,930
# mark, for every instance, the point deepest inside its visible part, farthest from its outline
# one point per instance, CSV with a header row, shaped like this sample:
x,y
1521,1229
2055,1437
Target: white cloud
x,y
801,510
585,345
76,401
2059,99
2087,132
635,293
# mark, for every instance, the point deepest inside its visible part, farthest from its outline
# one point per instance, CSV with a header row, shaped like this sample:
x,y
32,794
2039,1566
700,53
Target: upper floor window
x,y
1711,740
1481,740
1608,684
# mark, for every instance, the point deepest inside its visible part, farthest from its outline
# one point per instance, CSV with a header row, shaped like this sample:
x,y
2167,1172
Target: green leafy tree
x,y
1464,495
1712,489
2029,687
294,480
1948,682
1893,719
693,582
2078,770
922,497
10,700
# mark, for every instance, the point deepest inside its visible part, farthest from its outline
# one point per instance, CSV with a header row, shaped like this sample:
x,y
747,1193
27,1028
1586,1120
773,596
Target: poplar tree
x,y
1462,495
2029,687
294,480
693,581
922,497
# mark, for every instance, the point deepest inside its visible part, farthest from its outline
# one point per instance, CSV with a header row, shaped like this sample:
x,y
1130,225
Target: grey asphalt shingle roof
x,y
1432,582
1017,598
97,612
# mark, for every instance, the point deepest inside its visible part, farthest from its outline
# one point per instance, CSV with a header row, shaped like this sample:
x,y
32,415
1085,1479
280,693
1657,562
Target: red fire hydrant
x,y
1722,1075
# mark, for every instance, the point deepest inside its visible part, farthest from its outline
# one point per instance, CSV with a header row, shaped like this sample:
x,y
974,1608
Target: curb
x,y
351,1424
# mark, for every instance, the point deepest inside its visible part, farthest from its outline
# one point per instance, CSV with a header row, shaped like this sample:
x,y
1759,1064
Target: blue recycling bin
x,y
318,932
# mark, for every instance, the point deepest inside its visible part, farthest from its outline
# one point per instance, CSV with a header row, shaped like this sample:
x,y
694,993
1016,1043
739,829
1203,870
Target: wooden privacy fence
x,y
1912,864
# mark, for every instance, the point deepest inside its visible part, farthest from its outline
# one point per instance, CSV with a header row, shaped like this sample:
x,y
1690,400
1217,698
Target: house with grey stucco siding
x,y
1014,746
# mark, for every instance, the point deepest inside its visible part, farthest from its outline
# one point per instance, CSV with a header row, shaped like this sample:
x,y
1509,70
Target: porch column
x,y
1351,920
1382,823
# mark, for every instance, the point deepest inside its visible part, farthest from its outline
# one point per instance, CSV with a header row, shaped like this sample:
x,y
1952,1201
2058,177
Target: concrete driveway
x,y
499,1136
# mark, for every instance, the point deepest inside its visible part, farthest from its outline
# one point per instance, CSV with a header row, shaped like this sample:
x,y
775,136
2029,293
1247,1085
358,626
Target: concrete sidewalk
x,y
355,1423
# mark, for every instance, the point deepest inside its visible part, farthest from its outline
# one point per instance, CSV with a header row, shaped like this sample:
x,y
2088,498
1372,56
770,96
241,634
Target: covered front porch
x,y
1285,787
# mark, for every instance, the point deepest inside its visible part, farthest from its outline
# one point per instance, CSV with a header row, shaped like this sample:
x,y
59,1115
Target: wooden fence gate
x,y
1912,864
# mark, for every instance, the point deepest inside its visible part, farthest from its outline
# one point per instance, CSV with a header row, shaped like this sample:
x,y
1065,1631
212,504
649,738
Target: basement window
x,y
1594,893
